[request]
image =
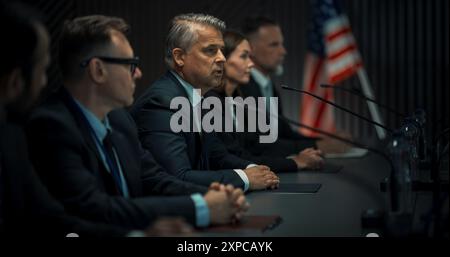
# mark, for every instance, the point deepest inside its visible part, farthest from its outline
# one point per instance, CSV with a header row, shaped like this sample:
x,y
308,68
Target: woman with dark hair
x,y
237,72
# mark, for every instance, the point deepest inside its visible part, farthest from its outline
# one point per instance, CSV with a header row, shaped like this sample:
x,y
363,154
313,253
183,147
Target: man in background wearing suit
x,y
85,146
268,52
195,60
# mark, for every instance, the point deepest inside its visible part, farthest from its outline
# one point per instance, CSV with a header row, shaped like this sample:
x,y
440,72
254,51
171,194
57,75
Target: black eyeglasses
x,y
133,62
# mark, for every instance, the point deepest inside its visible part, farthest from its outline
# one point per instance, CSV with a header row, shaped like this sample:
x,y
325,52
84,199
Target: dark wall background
x,y
404,45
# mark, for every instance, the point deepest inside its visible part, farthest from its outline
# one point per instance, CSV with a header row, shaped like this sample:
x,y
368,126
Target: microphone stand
x,y
400,218
412,130
415,123
395,223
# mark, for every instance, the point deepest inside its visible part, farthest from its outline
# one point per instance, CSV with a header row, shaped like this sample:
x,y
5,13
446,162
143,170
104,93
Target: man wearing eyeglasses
x,y
86,148
26,207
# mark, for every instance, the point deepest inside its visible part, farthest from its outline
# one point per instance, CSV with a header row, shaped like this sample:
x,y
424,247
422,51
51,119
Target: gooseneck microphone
x,y
339,107
360,95
392,186
415,123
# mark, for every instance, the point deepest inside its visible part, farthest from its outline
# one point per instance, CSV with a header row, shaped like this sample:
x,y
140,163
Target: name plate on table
x,y
354,152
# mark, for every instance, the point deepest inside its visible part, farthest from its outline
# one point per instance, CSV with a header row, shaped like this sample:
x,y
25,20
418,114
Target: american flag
x,y
332,57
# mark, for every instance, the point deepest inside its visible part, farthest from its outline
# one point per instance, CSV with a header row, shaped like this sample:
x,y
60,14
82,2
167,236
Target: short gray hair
x,y
182,32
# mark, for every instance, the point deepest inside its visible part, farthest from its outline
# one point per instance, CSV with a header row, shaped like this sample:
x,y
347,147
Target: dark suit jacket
x,y
289,141
183,153
235,144
27,207
66,157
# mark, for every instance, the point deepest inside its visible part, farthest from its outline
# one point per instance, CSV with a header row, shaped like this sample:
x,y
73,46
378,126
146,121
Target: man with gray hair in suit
x,y
195,60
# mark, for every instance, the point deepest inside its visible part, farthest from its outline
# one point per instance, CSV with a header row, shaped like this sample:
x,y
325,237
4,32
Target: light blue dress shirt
x,y
264,82
101,129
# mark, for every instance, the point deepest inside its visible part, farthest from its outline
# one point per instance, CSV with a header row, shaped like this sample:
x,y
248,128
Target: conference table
x,y
334,210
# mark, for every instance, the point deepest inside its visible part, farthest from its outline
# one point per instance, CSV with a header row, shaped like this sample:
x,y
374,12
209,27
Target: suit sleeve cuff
x,y
202,218
244,178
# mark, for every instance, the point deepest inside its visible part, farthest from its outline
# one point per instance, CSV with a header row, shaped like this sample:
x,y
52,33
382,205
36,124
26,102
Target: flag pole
x,y
373,109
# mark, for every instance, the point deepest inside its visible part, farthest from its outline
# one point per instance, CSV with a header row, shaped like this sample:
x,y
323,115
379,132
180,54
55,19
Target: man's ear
x,y
14,85
178,57
97,71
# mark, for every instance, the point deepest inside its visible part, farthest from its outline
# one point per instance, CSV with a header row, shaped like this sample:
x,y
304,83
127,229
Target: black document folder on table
x,y
297,188
327,168
259,223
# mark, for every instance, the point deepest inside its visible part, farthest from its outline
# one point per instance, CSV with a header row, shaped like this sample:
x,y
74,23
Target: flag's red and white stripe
x,y
342,60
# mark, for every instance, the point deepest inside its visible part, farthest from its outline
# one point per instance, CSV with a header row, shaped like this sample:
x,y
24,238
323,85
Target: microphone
x,y
392,185
412,128
404,131
360,95
396,169
414,123
339,107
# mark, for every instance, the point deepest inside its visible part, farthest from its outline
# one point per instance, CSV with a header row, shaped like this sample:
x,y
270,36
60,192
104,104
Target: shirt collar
x,y
100,128
262,80
193,93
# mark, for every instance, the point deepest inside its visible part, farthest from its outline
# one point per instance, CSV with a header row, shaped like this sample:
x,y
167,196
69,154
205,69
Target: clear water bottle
x,y
411,132
420,118
399,220
400,151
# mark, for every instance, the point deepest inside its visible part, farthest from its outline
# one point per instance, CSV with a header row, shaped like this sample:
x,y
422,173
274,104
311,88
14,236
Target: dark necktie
x,y
203,147
204,164
112,161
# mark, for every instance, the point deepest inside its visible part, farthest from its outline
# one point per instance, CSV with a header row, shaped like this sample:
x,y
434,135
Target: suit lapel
x,y
85,131
195,150
81,122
